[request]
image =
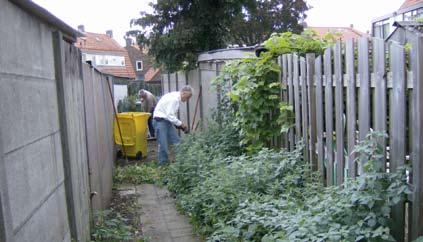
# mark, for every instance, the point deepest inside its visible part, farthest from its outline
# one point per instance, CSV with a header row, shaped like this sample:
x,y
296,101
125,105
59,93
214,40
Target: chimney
x,y
109,33
81,28
128,41
351,26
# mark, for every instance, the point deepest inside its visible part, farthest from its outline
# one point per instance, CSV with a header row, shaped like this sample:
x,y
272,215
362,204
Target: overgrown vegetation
x,y
139,174
119,223
128,104
251,88
110,226
274,196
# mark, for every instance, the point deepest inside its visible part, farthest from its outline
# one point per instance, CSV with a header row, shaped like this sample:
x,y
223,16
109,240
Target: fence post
x,y
329,114
339,113
351,107
310,59
363,104
290,98
188,116
417,149
59,67
320,118
296,99
304,108
5,213
380,91
284,93
200,87
398,128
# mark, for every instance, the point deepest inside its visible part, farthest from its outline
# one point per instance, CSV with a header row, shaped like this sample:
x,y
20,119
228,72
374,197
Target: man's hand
x,y
184,127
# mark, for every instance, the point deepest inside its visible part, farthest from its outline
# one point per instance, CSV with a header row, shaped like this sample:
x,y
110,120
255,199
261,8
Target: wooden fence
x,y
353,88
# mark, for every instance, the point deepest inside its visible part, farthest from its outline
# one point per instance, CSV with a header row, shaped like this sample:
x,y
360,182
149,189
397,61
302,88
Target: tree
x,y
178,30
259,19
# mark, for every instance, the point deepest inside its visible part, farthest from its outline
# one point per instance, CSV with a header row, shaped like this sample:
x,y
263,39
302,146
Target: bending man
x,y
165,119
149,103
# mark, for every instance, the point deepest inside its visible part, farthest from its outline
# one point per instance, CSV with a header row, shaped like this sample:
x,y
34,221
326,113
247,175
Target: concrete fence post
x,y
59,70
5,216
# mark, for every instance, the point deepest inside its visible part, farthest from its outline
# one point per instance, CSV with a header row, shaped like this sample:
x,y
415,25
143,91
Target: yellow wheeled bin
x,y
134,129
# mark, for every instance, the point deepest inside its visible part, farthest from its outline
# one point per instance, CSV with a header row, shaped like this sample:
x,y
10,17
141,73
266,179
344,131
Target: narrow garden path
x,y
159,217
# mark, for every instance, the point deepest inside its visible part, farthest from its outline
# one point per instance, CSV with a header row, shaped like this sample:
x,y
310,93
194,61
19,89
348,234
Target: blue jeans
x,y
166,135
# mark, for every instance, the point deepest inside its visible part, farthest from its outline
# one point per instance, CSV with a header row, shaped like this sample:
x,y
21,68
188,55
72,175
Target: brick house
x,y
105,53
142,63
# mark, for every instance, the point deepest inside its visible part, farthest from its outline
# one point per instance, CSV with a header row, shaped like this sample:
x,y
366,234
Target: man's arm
x,y
171,111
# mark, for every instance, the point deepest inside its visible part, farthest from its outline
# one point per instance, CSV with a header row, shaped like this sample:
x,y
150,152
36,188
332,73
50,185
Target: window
x,y
110,60
104,60
381,29
139,65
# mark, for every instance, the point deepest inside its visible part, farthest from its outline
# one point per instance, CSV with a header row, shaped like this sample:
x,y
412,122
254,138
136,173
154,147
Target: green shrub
x,y
139,174
196,152
274,196
110,226
128,104
358,211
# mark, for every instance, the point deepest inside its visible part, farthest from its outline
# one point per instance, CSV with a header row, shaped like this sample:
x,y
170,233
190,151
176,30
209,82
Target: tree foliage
x,y
259,19
178,30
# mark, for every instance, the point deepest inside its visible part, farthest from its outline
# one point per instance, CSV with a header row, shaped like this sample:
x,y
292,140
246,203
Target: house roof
x,y
346,32
103,44
94,41
151,74
409,3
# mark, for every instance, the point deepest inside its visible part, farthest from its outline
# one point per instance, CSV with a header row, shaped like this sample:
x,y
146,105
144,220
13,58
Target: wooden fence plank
x,y
364,93
284,94
351,107
188,110
290,98
417,149
339,114
398,122
380,91
304,107
329,115
310,58
297,106
319,117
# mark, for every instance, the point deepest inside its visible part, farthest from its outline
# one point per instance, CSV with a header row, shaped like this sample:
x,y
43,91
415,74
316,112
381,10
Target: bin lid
x,y
132,114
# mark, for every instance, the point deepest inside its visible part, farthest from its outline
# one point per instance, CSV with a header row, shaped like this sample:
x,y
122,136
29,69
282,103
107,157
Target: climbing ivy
x,y
251,88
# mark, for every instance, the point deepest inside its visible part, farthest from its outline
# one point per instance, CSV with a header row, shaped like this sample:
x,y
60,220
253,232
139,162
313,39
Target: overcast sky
x,y
101,15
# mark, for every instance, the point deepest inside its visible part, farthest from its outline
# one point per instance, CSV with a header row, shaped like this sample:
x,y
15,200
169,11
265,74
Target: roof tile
x,y
346,32
409,3
103,44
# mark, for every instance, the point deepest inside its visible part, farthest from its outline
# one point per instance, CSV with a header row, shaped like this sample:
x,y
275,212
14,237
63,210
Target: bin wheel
x,y
138,156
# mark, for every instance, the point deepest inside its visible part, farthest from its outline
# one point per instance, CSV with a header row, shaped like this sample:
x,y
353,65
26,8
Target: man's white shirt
x,y
168,106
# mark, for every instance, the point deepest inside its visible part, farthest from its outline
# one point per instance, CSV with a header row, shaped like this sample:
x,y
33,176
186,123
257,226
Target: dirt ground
x,y
151,155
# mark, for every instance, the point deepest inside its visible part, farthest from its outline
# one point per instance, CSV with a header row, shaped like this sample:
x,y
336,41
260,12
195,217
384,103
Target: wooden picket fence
x,y
353,88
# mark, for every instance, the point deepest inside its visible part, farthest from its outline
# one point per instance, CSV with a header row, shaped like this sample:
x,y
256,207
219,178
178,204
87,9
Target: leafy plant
x,y
358,211
253,87
139,174
274,196
111,227
128,104
197,151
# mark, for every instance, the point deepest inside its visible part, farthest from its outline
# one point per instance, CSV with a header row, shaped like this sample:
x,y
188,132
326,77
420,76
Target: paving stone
x,y
160,220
